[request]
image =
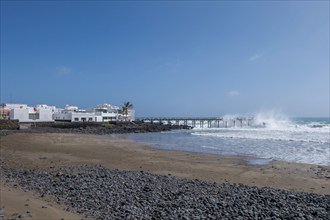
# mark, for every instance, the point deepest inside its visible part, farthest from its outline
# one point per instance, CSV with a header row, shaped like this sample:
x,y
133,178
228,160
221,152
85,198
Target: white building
x,y
72,116
106,111
24,113
5,109
129,117
71,107
44,113
107,108
100,113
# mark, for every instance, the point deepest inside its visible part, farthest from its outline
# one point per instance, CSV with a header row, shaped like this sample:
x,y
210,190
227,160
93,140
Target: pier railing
x,y
202,122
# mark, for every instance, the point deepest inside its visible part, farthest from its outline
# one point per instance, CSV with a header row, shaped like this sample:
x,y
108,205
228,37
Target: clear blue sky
x,y
168,58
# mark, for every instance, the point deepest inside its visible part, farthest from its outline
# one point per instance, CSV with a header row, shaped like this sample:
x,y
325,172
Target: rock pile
x,y
9,124
111,194
97,128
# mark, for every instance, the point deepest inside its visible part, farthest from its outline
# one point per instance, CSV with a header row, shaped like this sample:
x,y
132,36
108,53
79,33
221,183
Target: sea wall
x,y
105,128
98,128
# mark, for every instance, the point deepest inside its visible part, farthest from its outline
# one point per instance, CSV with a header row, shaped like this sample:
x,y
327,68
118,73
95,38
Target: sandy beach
x,y
49,151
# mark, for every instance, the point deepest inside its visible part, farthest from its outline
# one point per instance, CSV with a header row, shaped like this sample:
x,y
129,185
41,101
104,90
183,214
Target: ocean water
x,y
301,140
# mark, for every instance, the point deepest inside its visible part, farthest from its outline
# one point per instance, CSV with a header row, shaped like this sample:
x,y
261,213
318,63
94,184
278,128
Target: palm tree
x,y
125,108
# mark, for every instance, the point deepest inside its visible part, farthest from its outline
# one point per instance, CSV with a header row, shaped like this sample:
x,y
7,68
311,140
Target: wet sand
x,y
48,151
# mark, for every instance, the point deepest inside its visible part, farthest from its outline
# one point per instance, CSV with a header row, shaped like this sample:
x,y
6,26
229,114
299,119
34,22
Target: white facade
x,y
131,114
71,107
129,117
84,116
24,113
75,116
105,107
12,106
44,113
6,108
100,113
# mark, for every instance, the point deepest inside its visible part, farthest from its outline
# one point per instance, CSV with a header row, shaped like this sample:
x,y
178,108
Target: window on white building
x,y
34,116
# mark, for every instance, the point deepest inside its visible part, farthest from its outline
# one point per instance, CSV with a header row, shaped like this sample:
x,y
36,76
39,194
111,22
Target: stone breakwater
x,y
102,193
97,128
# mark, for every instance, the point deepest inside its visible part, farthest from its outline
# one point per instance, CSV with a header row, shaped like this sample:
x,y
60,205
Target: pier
x,y
203,122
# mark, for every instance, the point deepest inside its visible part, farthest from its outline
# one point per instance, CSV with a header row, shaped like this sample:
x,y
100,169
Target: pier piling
x,y
211,122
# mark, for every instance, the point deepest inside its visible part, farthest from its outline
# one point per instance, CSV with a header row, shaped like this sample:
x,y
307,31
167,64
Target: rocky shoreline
x,y
95,128
102,193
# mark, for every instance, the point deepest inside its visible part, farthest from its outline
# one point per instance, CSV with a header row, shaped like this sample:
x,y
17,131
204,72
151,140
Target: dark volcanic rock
x,y
111,194
9,124
97,128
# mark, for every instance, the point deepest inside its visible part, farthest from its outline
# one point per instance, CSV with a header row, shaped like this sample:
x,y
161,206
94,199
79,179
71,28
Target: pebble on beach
x,y
101,193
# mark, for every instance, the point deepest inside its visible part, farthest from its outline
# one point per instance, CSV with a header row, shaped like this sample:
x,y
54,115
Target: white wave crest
x,y
273,120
